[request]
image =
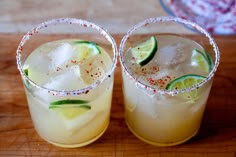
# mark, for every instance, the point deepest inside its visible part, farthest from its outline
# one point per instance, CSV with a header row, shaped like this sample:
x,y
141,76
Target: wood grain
x,y
216,138
115,15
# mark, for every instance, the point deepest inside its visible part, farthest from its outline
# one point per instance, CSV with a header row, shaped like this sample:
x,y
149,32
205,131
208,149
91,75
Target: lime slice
x,y
26,82
67,102
201,60
210,61
145,51
26,71
70,109
185,82
72,112
86,49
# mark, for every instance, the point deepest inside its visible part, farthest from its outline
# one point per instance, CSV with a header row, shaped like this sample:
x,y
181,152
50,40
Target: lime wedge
x,y
70,109
201,60
185,82
145,51
86,49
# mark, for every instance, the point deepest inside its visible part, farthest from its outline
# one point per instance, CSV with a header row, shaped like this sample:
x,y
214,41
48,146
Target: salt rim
x,y
166,19
82,23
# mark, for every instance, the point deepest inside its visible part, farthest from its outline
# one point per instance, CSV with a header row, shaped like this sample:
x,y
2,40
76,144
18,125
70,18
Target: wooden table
x,y
217,137
115,15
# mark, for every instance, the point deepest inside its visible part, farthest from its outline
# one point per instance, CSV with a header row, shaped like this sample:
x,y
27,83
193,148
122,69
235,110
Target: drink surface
x,y
172,60
54,63
73,120
163,119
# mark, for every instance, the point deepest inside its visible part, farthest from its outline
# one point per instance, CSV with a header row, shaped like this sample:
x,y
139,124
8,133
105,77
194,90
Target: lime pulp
x,y
86,49
186,82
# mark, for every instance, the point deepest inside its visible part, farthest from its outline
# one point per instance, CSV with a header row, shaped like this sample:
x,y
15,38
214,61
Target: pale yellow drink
x,y
58,65
163,119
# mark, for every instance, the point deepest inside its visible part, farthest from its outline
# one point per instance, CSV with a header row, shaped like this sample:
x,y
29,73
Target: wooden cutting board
x,y
217,137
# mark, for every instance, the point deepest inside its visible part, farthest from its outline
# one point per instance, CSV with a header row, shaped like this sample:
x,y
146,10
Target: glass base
x,y
79,144
161,144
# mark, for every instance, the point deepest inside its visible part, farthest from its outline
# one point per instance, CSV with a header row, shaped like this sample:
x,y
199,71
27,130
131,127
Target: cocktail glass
x,y
165,96
67,68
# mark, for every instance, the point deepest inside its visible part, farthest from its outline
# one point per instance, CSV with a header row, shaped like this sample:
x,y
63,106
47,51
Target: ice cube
x,y
150,105
159,79
91,70
68,79
62,55
164,72
80,121
76,70
43,61
38,65
171,54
